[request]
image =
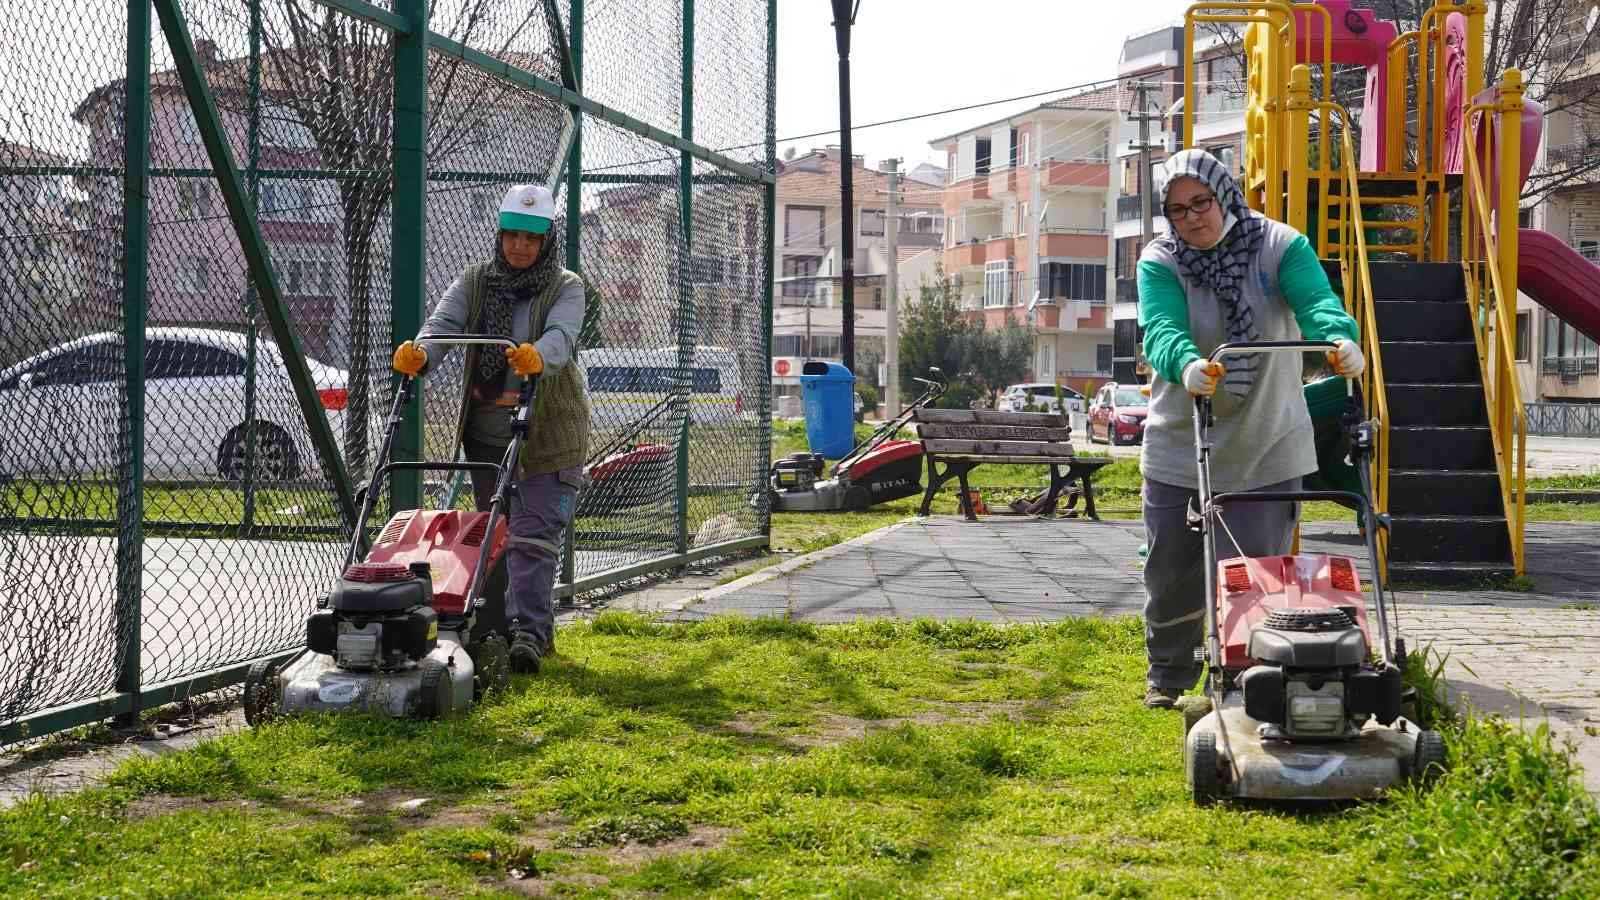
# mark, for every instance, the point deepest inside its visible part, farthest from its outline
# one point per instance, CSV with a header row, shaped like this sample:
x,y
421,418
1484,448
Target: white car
x,y
1019,397
65,408
626,384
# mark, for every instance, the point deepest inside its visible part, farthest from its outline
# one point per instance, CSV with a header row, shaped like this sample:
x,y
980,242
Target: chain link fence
x,y
171,503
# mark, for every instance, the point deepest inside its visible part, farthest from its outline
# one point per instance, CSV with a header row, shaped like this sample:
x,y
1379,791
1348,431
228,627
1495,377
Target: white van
x,y
627,384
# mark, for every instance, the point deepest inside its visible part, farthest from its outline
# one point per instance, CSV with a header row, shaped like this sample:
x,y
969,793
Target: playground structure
x,y
1419,229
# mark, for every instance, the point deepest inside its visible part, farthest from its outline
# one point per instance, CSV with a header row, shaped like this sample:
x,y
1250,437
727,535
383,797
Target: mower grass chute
x,y
877,470
1302,703
416,627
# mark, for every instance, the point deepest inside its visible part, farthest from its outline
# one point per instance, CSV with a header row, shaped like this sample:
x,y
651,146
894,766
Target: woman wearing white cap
x,y
523,292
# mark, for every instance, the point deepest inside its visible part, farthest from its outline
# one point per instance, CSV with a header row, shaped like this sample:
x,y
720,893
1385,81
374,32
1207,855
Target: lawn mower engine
x,y
797,472
1295,644
395,635
888,471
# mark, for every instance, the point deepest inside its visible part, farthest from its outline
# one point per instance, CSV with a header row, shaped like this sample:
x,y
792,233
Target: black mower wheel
x,y
858,498
491,666
1205,775
433,698
261,698
1428,759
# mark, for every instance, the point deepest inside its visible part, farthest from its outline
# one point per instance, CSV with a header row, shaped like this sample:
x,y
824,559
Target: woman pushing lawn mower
x,y
523,292
1222,274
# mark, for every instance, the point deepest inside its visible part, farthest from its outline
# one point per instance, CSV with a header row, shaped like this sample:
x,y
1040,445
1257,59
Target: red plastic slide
x,y
1560,279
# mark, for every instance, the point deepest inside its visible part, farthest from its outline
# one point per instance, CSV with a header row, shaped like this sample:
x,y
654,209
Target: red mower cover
x,y
449,541
1248,588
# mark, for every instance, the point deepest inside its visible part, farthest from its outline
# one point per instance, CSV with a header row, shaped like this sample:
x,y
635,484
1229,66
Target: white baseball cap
x,y
527,207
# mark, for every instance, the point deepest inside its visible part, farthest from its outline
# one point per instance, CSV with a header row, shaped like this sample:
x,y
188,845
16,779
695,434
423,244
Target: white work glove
x,y
1201,376
1346,358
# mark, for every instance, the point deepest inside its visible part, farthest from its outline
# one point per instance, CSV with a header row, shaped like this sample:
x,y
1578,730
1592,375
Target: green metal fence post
x,y
408,231
248,231
686,321
769,195
135,269
569,564
252,175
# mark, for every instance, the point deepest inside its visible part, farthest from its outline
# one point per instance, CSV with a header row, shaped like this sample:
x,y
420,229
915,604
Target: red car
x,y
1117,414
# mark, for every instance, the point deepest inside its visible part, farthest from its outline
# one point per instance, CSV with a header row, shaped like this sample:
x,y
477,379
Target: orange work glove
x,y
409,359
525,359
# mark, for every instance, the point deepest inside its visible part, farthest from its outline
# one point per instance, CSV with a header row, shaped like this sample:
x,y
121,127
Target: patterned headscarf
x,y
503,288
1220,268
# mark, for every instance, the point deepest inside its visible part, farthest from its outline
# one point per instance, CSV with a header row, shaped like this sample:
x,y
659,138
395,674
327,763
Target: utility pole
x,y
1144,117
844,17
891,310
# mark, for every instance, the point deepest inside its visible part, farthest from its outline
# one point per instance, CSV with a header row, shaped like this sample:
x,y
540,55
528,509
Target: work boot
x,y
526,651
1161,698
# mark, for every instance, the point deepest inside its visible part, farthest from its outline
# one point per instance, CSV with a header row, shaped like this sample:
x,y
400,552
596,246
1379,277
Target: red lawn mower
x,y
877,470
1301,702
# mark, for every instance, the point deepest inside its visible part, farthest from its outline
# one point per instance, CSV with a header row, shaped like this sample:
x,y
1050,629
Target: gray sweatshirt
x,y
1264,437
557,345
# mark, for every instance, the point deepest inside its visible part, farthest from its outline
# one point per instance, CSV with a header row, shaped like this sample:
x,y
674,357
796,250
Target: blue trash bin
x,y
827,392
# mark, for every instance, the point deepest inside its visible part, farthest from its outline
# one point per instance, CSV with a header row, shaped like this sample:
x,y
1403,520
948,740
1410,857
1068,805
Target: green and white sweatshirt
x,y
1264,437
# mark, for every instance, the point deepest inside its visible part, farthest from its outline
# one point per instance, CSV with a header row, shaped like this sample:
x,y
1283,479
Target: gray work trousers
x,y
541,506
1174,570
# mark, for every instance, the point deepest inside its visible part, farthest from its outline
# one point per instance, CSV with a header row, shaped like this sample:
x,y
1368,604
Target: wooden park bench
x,y
956,441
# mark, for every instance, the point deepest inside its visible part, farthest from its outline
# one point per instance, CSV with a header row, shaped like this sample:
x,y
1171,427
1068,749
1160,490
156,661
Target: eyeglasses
x,y
1200,207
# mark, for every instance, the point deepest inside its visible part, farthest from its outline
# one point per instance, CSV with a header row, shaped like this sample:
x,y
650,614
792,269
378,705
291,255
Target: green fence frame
x,y
240,189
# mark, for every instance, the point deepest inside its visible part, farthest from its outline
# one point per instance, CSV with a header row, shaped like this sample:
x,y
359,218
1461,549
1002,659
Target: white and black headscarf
x,y
1222,267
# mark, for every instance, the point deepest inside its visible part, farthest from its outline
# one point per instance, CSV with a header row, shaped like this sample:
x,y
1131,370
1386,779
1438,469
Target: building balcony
x,y
965,256
974,188
1076,173
1074,242
1000,246
1062,315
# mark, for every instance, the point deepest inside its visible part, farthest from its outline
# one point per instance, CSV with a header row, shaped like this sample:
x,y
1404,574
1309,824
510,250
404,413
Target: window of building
x,y
981,163
1567,352
194,274
800,274
787,345
802,226
281,127
1016,150
305,271
823,346
872,221
1590,250
997,283
287,201
188,128
1524,339
1102,358
1073,281
194,197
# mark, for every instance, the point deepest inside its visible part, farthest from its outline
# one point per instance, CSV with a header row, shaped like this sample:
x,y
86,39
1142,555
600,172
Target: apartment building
x,y
1556,362
1155,58
1027,230
806,317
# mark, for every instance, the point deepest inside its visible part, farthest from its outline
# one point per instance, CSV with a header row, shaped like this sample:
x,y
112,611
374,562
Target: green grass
x,y
763,758
1589,482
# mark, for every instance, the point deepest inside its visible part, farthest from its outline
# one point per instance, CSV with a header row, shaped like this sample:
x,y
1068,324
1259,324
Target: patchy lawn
x,y
760,758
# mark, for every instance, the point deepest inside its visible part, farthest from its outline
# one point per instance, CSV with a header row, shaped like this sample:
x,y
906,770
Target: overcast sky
x,y
907,57
915,56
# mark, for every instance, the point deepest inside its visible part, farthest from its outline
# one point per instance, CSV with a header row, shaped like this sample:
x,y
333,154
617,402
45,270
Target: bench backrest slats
x,y
990,417
933,430
962,447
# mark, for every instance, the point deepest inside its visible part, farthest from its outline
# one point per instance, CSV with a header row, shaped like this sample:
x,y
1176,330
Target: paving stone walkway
x,y
1533,656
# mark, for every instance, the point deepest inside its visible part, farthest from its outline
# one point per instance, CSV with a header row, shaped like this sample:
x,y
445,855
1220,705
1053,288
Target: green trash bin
x,y
1325,399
